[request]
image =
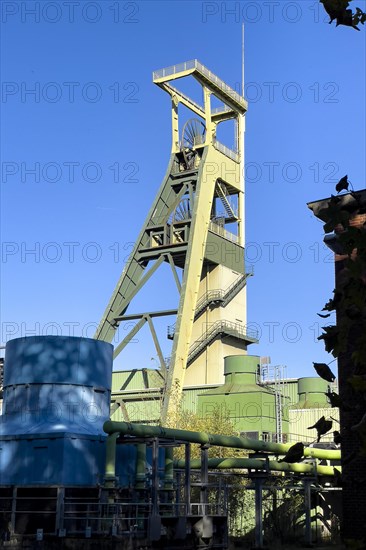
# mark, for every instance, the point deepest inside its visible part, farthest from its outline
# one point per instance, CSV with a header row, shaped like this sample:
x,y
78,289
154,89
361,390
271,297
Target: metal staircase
x,y
236,286
210,297
216,296
222,296
235,330
221,191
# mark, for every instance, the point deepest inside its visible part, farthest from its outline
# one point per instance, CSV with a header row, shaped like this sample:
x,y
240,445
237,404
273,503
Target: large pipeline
x,y
202,438
258,464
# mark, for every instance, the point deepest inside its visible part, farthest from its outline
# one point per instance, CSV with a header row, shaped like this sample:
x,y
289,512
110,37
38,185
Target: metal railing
x,y
219,230
220,83
209,297
173,69
195,64
215,295
226,151
228,327
123,518
239,282
222,109
221,295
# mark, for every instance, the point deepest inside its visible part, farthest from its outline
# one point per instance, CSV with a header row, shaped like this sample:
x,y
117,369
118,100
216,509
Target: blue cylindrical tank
x,y
56,399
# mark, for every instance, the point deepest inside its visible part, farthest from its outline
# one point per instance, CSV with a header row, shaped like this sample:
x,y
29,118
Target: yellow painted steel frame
x,y
192,274
217,164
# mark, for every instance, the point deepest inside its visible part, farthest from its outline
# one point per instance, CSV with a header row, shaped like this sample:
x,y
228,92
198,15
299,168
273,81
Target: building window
x,y
251,435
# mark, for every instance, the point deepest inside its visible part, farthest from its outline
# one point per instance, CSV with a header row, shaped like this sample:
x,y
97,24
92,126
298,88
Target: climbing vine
x,y
348,335
345,217
339,11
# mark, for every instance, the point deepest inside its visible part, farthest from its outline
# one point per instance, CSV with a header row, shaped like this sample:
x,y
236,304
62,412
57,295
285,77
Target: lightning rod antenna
x,y
241,142
242,60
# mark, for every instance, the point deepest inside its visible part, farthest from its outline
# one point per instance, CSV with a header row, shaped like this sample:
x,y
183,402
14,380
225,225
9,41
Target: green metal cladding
x,y
251,406
311,392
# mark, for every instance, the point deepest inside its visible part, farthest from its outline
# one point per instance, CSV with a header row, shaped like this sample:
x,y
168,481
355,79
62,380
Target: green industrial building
x,y
259,406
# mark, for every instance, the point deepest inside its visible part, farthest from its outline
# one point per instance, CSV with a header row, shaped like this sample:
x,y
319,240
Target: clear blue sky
x,y
95,112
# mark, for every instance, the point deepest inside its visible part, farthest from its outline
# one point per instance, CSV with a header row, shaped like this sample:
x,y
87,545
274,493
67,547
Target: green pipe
x,y
110,461
202,438
140,465
258,464
169,468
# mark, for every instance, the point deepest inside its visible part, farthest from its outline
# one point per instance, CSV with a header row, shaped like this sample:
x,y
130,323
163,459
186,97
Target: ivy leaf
x,y
324,371
334,214
337,9
342,185
359,17
330,337
332,304
336,401
352,238
334,7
